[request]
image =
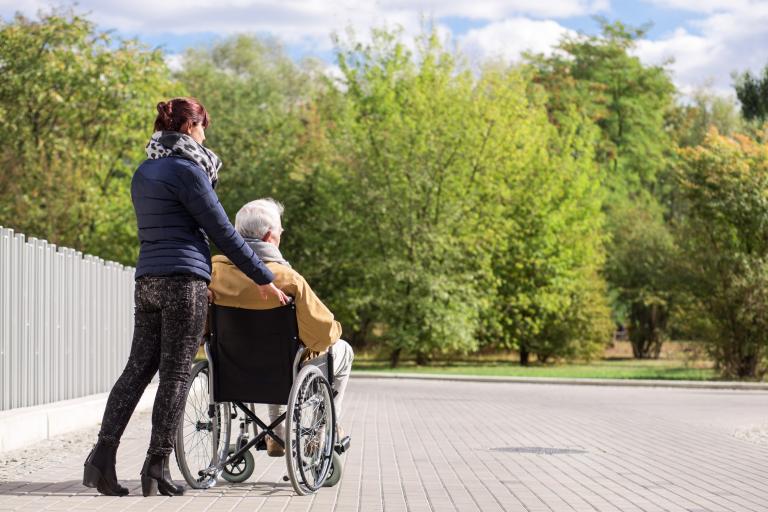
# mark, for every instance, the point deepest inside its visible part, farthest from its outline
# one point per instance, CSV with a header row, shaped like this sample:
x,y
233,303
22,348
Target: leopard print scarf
x,y
165,144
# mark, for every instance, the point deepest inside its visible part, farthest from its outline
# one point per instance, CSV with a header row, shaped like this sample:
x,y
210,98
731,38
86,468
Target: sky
x,y
706,40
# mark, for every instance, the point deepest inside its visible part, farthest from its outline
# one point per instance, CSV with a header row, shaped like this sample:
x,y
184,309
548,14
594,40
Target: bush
x,y
723,234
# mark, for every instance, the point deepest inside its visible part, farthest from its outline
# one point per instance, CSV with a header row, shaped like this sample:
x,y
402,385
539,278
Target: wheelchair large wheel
x,y
310,428
202,441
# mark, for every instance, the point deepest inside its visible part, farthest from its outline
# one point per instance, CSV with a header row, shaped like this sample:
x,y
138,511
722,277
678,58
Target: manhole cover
x,y
538,450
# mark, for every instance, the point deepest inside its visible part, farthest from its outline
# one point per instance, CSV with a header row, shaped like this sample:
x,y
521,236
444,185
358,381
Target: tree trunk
x,y
638,349
524,355
394,358
422,359
646,330
747,367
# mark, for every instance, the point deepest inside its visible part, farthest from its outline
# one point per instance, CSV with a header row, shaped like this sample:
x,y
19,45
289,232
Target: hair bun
x,y
165,108
178,114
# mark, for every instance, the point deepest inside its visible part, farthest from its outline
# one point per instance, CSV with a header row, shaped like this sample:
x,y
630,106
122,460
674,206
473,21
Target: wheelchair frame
x,y
317,372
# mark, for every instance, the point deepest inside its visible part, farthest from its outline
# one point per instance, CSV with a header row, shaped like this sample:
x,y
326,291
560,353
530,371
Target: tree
x,y
404,185
643,254
752,92
690,122
414,144
628,100
631,104
723,233
75,114
551,297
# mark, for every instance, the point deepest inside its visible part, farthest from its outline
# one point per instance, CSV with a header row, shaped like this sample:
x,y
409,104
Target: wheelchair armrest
x,y
323,361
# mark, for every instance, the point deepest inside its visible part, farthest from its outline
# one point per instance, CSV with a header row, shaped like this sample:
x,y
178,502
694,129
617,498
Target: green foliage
x,y
253,92
752,92
480,214
551,299
75,112
435,210
723,235
418,166
630,103
691,122
643,252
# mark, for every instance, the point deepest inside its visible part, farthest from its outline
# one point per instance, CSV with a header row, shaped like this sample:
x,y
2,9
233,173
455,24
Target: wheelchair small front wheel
x,y
310,427
334,474
241,470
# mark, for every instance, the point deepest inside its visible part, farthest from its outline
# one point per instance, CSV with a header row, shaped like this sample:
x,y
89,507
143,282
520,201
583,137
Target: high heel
x,y
148,486
156,476
91,475
99,471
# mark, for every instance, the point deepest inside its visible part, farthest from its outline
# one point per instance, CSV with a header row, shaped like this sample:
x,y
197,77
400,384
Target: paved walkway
x,y
460,446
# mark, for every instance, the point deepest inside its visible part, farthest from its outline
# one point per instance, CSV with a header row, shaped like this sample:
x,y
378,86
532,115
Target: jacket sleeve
x,y
201,201
318,329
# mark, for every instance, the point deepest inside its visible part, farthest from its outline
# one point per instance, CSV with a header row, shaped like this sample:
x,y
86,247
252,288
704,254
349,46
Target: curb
x,y
631,383
24,426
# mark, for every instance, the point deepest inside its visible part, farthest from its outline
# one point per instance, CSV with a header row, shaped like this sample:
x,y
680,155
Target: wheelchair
x,y
256,357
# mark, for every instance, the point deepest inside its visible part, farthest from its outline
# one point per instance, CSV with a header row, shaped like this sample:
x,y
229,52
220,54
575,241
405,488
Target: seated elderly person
x,y
259,224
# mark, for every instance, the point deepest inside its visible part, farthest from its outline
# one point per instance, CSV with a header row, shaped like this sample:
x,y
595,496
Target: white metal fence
x,y
66,322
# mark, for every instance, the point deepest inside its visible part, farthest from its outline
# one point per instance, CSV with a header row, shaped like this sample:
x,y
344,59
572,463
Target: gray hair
x,y
258,217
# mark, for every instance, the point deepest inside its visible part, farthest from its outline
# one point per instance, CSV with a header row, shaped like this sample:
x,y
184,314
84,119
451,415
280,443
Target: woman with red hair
x,y
176,207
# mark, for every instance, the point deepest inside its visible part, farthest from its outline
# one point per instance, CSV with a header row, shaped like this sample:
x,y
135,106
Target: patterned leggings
x,y
169,321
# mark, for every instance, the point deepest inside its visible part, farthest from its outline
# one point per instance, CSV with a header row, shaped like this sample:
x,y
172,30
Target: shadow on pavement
x,y
76,488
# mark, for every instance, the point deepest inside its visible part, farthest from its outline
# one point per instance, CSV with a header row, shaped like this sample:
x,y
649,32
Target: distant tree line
x,y
439,209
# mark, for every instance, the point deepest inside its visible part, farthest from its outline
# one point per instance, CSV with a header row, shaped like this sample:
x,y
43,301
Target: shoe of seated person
x,y
274,449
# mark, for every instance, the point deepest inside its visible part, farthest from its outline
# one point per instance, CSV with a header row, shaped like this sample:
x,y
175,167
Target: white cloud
x,y
732,37
300,21
723,35
27,7
174,61
495,9
509,38
705,6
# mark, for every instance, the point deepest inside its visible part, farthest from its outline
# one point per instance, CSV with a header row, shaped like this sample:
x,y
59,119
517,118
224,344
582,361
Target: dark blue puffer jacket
x,y
175,208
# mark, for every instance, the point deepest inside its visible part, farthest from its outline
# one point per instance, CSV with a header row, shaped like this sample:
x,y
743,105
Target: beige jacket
x,y
317,328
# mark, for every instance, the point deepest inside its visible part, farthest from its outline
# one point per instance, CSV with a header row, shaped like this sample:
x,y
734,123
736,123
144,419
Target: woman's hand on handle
x,y
270,289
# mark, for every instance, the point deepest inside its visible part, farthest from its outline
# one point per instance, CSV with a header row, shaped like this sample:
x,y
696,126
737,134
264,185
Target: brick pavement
x,y
458,446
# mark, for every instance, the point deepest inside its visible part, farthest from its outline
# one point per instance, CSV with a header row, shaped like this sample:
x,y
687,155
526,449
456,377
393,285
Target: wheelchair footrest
x,y
342,445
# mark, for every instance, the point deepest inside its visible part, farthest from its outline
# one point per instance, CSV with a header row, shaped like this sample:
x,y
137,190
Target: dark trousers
x,y
168,325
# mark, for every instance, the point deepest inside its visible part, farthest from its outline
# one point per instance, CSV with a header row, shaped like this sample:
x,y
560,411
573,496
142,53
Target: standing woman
x,y
176,206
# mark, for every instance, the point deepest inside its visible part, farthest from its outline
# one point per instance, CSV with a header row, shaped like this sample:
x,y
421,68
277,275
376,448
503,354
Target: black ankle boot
x,y
99,471
156,476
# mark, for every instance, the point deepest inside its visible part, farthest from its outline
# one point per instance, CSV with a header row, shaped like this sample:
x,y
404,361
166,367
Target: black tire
x,y
198,434
242,470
